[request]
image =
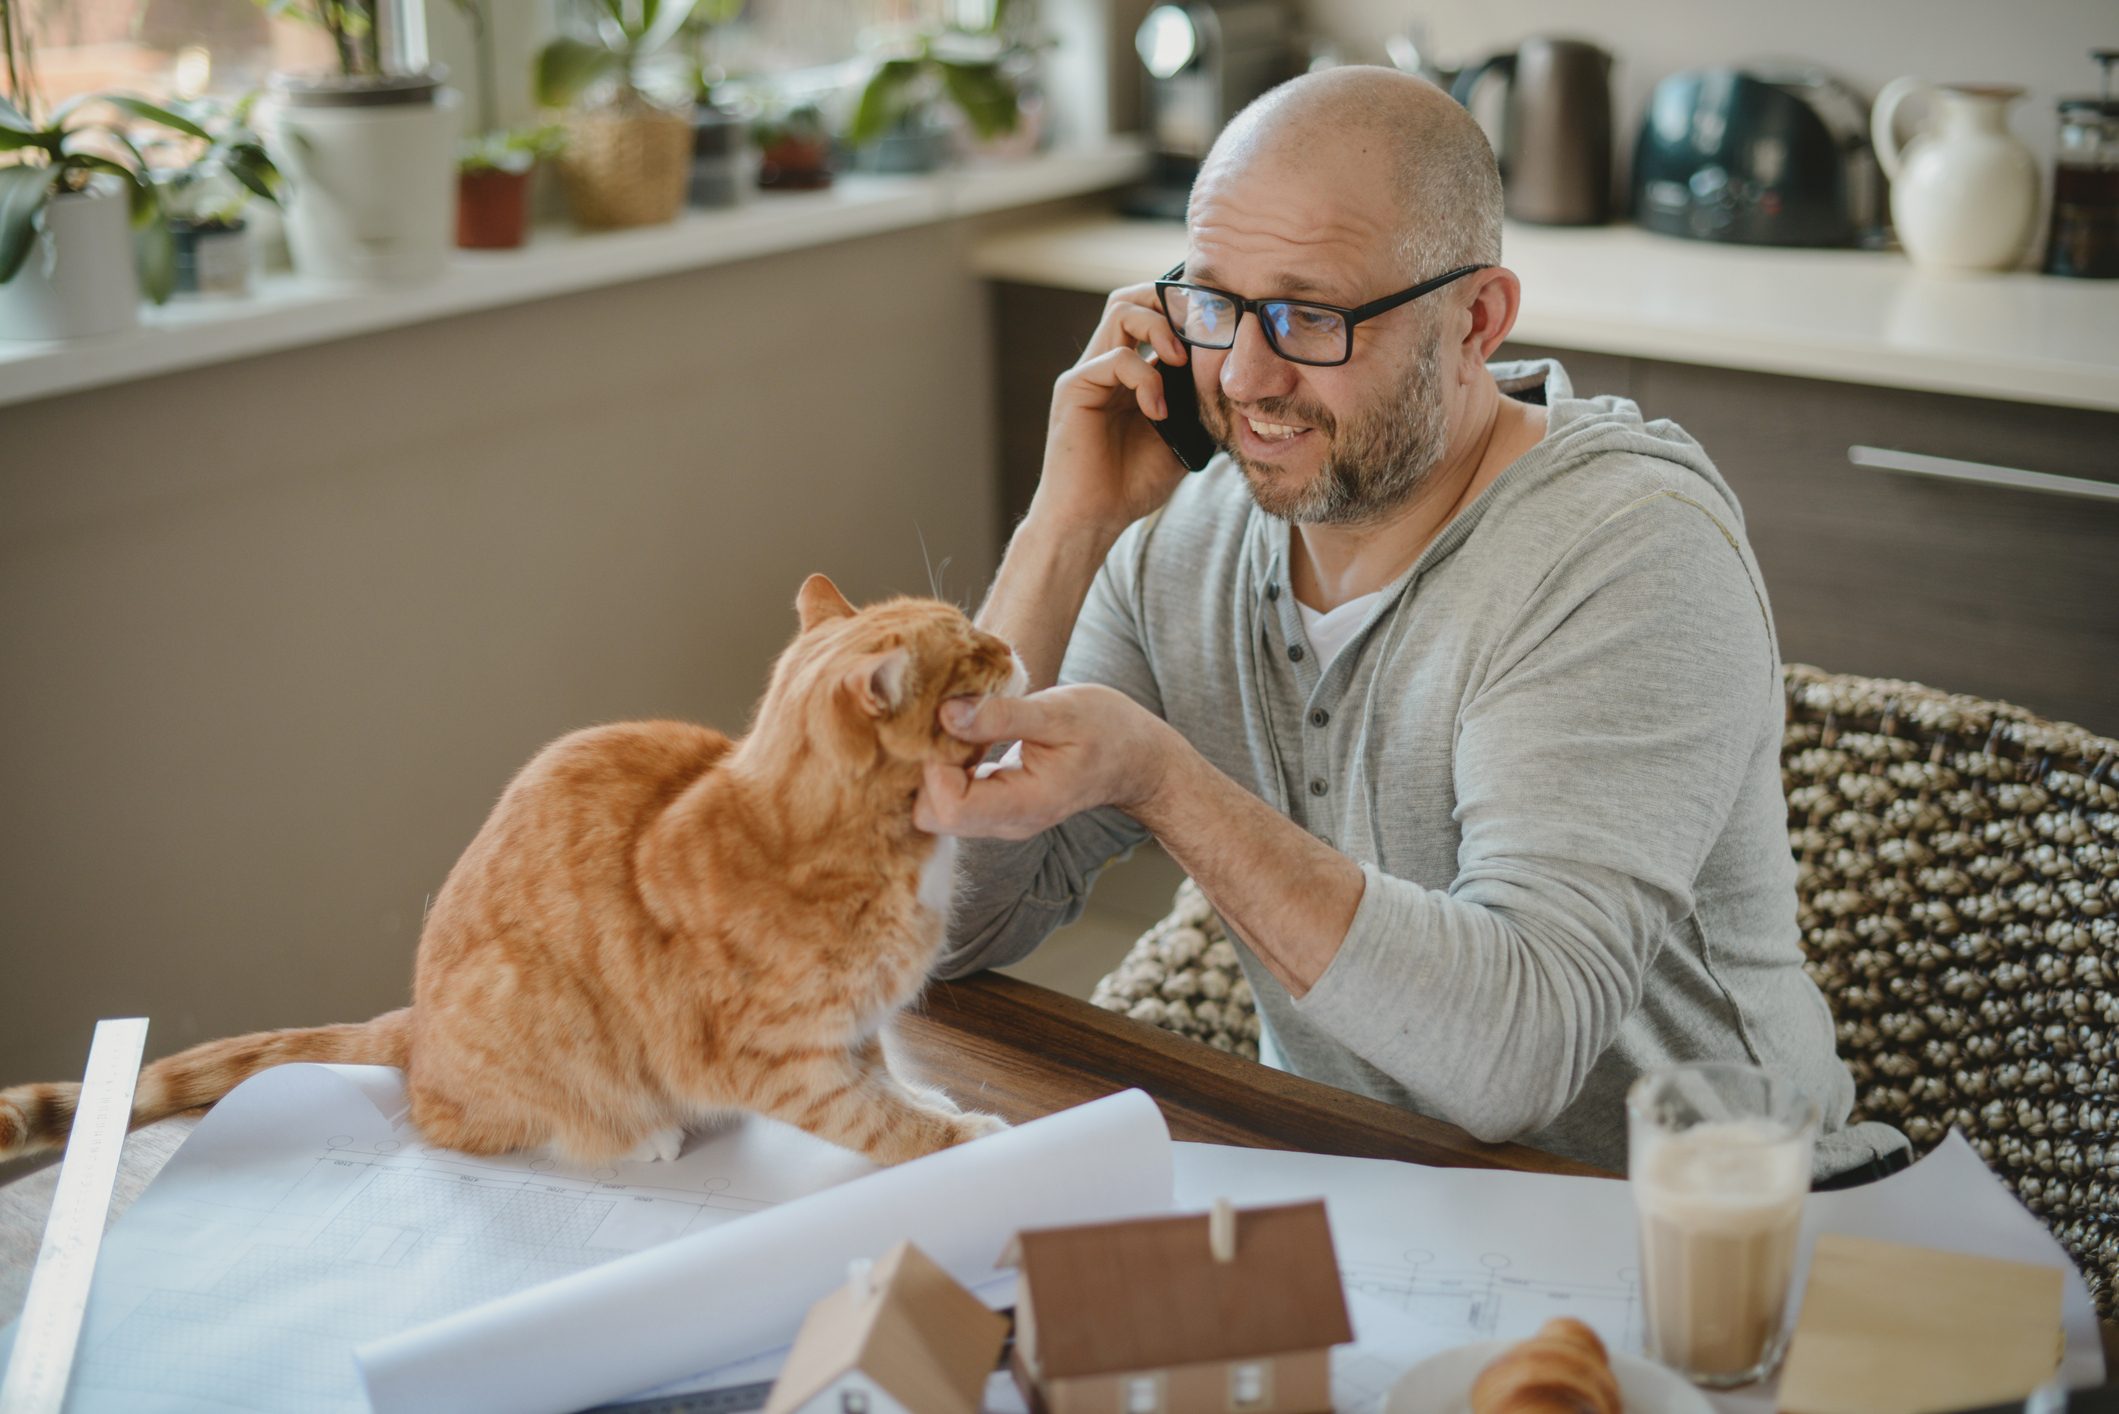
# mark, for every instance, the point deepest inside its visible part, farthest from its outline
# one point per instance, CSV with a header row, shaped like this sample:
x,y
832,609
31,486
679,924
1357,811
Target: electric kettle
x,y
1556,130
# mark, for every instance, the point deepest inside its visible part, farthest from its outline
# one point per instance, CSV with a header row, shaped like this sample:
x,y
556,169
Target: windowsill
x,y
286,311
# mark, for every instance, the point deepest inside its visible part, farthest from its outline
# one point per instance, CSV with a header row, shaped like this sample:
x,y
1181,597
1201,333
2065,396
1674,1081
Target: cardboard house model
x,y
1227,1311
901,1337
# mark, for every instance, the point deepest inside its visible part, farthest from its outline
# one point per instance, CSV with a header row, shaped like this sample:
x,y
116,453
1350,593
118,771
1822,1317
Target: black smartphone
x,y
1182,429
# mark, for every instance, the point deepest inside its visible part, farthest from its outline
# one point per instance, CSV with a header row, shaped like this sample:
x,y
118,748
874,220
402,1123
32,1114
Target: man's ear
x,y
1495,302
820,601
881,682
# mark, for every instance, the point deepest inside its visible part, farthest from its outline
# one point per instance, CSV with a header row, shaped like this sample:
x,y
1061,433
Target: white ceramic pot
x,y
372,173
79,278
1964,191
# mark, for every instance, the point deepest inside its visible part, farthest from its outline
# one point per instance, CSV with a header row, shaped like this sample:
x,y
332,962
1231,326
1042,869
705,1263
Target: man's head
x,y
1342,187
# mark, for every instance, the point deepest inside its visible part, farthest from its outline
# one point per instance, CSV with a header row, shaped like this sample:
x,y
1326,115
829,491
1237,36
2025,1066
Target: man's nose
x,y
1250,370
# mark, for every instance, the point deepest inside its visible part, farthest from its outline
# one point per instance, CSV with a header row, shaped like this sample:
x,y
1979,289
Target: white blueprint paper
x,y
740,1288
304,1216
1461,1255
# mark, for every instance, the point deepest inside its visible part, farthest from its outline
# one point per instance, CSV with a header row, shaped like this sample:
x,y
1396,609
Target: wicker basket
x,y
627,164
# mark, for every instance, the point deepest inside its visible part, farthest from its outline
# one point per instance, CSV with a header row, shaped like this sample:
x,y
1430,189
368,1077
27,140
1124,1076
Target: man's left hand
x,y
1082,746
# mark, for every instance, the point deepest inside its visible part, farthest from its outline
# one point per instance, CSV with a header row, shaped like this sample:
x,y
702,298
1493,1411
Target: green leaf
x,y
566,67
987,98
155,250
23,193
881,100
13,138
11,115
249,164
153,113
661,21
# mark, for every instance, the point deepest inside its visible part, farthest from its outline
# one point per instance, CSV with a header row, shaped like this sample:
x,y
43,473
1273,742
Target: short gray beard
x,y
1385,456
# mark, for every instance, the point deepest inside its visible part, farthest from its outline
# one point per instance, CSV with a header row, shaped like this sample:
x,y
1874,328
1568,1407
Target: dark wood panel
x,y
1038,333
2003,593
1591,375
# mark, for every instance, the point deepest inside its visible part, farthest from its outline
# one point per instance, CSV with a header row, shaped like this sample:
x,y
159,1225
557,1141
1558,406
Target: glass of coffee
x,y
1719,1164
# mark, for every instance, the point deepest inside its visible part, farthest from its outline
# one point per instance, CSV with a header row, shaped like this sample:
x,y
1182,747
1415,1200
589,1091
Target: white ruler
x,y
73,1232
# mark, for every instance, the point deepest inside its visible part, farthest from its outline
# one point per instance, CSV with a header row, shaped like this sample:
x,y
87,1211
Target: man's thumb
x,y
985,720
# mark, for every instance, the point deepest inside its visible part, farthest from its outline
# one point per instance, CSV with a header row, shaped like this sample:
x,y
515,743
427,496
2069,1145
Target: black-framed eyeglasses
x,y
1300,331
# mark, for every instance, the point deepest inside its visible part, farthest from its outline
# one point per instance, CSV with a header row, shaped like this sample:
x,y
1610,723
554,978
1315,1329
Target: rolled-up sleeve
x,y
1011,895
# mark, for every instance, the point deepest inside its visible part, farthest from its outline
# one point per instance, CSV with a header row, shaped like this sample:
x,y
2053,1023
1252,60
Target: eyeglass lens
x,y
1306,333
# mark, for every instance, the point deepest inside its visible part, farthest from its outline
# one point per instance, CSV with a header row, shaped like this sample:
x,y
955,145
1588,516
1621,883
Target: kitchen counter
x,y
1842,315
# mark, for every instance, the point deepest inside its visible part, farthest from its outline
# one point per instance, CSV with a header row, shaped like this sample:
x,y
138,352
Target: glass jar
x,y
2085,232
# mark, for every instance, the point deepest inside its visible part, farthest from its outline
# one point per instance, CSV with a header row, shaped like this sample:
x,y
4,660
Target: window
x,y
1250,1386
1144,1394
163,48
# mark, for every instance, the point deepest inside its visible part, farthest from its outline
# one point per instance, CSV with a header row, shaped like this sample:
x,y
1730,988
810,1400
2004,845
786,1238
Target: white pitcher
x,y
1964,191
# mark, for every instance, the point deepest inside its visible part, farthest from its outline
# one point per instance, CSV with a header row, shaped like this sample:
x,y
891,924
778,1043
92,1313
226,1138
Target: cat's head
x,y
885,671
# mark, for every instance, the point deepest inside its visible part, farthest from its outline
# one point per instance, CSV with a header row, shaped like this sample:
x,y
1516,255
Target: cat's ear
x,y
820,601
880,682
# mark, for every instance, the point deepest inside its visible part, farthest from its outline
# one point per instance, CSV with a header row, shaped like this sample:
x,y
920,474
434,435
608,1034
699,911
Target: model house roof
x,y
909,1327
1151,1293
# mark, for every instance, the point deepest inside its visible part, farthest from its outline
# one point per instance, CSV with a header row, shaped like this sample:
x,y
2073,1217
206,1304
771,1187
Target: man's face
x,y
1335,446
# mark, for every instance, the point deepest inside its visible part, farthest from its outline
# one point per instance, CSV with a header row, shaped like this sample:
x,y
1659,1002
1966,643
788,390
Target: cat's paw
x,y
936,1100
662,1145
967,1127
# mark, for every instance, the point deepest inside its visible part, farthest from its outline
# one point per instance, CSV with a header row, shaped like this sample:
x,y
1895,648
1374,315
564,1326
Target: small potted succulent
x,y
794,150
899,123
204,197
368,149
81,229
628,159
493,184
493,169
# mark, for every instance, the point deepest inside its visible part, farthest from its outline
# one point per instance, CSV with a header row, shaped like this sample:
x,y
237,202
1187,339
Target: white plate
x,y
1442,1384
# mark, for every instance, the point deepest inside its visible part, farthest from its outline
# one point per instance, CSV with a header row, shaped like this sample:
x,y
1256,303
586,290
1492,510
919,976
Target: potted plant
x,y
628,157
794,150
493,184
493,169
81,232
898,123
204,197
369,152
721,153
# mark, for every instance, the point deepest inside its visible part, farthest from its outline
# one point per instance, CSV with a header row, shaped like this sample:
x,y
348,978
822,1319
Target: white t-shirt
x,y
1329,629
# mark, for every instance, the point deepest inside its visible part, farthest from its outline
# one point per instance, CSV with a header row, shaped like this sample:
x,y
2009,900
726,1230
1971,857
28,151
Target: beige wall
x,y
2042,45
275,633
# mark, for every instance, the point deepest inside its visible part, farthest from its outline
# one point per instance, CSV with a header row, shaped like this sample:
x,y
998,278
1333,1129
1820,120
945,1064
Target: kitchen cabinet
x,y
1992,590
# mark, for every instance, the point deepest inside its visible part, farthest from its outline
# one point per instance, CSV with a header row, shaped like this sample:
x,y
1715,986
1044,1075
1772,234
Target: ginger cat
x,y
657,924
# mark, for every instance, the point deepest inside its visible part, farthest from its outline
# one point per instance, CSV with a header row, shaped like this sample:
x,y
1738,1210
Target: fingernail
x,y
956,714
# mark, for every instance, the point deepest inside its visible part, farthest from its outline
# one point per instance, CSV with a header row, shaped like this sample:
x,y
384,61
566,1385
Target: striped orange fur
x,y
657,924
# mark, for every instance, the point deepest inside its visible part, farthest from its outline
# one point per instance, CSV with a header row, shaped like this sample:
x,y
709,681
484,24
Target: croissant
x,y
1561,1370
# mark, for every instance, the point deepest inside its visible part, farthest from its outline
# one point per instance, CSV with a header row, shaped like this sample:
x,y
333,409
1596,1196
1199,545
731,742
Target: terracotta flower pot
x,y
627,164
492,209
796,164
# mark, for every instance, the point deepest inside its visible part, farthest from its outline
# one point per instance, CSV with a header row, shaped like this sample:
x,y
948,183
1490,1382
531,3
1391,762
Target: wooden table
x,y
1019,1051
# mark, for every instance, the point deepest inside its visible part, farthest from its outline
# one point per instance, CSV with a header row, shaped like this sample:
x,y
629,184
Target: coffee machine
x,y
1204,59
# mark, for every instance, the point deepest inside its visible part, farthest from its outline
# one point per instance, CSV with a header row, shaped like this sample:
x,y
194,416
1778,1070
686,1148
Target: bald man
x,y
1456,692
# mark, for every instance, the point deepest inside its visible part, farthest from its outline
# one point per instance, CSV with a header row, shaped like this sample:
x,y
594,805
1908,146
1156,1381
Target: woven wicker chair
x,y
1959,903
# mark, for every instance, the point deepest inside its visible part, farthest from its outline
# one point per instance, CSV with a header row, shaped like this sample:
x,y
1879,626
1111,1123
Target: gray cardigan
x,y
1554,750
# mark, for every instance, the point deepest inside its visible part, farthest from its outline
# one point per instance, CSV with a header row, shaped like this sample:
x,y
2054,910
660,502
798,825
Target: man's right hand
x,y
1105,466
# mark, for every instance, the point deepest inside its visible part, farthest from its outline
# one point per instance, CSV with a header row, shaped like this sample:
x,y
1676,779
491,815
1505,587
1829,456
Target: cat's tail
x,y
34,1117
